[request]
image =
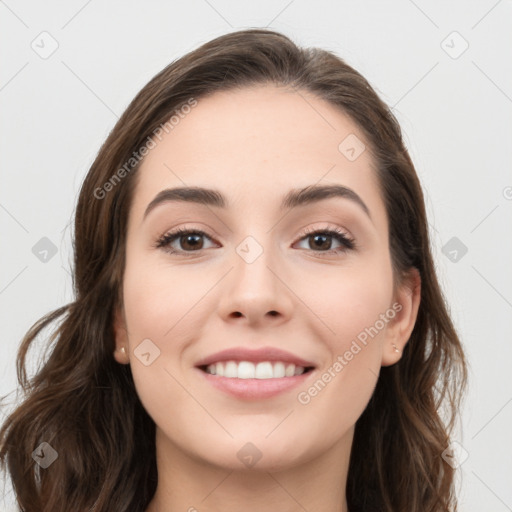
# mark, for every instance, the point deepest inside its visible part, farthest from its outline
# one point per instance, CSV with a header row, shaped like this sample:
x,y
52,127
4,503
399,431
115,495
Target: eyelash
x,y
347,242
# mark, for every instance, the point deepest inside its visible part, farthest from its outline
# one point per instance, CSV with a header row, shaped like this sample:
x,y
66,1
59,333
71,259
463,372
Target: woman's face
x,y
266,276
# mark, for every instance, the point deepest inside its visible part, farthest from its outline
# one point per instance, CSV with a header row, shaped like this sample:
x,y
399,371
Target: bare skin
x,y
254,146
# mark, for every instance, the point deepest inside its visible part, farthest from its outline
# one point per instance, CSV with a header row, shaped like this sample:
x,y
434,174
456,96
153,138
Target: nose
x,y
256,291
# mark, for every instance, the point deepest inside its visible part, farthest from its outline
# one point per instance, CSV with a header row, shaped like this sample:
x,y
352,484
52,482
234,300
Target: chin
x,y
257,453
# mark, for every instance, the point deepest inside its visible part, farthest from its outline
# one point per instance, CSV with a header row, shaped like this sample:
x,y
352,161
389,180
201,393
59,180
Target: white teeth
x,y
279,370
264,371
248,370
230,369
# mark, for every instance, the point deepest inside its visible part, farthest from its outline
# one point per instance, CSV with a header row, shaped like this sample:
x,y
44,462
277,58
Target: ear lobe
x,y
399,329
121,337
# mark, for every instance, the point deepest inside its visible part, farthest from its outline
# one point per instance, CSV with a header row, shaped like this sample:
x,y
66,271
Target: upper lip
x,y
254,356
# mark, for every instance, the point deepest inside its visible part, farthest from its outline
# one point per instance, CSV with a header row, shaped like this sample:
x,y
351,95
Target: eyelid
x,y
325,228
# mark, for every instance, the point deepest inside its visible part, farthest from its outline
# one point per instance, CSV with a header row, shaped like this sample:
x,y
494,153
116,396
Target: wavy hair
x,y
83,403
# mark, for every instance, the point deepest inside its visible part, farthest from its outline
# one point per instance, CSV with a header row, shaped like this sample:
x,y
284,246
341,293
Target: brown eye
x,y
187,241
191,242
183,241
321,241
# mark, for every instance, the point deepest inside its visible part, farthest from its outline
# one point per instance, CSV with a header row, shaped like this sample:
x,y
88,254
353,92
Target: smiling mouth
x,y
249,370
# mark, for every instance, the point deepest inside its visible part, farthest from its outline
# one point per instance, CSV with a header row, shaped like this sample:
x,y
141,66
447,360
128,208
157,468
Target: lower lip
x,y
255,388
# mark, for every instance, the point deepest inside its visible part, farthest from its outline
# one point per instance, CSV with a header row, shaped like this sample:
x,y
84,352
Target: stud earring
x,y
396,348
123,350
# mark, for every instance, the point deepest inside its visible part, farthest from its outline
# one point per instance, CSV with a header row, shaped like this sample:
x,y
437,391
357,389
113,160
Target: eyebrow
x,y
293,199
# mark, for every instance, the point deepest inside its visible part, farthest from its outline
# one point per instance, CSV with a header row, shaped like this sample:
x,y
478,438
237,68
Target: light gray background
x,y
455,110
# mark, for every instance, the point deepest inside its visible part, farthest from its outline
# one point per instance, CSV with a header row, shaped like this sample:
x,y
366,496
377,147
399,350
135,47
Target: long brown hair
x,y
84,404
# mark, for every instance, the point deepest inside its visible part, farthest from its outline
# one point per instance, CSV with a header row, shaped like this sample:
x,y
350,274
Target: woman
x,y
257,322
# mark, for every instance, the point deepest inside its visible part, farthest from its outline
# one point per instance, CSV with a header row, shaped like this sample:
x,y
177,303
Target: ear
x,y
121,352
398,331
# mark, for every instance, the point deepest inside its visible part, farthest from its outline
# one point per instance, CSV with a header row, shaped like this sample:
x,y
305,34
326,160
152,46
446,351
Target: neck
x,y
189,484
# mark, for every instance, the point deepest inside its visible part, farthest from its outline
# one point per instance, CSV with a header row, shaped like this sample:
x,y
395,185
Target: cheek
x,y
158,298
347,300
157,304
165,303
356,307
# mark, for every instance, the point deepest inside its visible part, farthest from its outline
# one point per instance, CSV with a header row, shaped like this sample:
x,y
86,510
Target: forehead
x,y
257,143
